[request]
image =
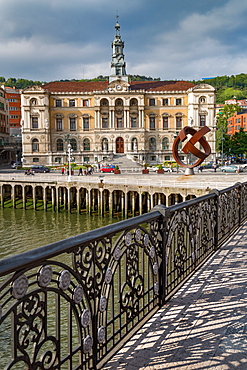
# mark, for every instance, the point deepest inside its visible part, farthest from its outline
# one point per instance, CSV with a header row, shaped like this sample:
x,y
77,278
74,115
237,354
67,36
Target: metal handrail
x,y
104,284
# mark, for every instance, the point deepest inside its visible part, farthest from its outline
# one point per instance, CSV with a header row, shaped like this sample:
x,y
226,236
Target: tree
x,y
221,127
238,143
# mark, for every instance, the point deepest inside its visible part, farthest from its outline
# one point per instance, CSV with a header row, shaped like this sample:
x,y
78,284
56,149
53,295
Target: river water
x,y
23,230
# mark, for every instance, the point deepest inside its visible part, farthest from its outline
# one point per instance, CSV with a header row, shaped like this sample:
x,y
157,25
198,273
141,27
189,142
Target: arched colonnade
x,y
91,199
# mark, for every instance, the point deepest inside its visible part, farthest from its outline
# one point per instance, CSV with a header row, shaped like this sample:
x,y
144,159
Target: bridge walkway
x,y
204,326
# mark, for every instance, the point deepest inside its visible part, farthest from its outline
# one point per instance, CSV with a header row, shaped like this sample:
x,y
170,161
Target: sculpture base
x,y
189,171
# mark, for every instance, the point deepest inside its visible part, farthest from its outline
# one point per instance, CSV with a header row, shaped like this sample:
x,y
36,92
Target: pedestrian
x,y
214,167
62,170
80,172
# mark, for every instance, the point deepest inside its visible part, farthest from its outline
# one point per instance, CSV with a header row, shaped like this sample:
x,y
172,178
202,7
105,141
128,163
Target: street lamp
x,y
222,149
69,161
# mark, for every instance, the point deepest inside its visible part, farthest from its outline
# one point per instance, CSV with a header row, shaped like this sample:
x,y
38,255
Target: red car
x,y
107,169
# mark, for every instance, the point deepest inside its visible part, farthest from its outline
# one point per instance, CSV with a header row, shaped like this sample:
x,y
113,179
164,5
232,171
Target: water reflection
x,y
22,230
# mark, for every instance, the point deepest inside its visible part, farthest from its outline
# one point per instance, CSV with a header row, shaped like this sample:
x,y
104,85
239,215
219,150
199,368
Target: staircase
x,y
124,163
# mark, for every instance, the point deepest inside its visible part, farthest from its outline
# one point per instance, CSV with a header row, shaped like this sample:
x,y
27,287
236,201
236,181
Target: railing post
x,y
165,215
216,218
239,186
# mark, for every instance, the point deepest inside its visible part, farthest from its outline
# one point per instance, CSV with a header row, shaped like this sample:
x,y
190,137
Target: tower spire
x,y
118,64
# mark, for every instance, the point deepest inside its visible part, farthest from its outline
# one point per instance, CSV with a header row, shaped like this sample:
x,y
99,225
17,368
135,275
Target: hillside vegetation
x,y
227,87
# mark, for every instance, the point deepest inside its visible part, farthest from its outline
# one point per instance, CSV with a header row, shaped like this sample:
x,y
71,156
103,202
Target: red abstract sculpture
x,y
189,147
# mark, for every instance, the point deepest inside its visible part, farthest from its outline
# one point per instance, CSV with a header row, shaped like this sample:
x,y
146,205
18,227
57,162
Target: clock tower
x,y
118,64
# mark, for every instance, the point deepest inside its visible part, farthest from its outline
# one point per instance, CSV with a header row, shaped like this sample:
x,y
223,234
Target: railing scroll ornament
x,y
76,301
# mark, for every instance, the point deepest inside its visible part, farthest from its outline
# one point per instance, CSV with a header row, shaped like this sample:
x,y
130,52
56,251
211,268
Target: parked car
x,y
40,169
165,169
231,168
155,168
107,169
207,165
16,164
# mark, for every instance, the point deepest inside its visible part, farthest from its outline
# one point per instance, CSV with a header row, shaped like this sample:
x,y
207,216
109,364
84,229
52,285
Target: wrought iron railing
x,y
74,303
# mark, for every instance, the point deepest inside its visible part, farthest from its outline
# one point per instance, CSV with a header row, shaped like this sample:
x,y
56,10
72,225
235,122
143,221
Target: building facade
x,y
238,121
102,119
5,147
14,101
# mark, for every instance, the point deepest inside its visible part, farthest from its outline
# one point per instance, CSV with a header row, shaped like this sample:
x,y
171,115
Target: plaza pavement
x,y
204,326
208,179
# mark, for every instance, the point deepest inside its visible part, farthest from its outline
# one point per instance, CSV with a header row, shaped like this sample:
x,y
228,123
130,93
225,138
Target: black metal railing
x,y
74,303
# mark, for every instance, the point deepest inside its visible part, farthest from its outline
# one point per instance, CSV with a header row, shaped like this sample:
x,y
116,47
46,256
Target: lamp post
x,y
69,161
222,148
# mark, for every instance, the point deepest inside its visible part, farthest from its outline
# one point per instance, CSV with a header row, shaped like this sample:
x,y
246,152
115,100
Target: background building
x,y
5,148
115,117
239,120
14,101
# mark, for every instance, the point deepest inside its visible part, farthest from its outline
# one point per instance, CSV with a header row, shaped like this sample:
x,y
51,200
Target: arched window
x,y
119,102
105,145
59,145
134,144
152,143
133,102
86,145
35,145
104,103
165,143
202,99
33,101
73,144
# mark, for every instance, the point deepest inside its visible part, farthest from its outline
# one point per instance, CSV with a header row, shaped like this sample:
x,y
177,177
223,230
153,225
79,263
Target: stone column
x,y
141,117
122,204
58,191
13,196
45,199
34,197
101,204
89,202
140,203
24,196
53,199
2,196
125,119
110,118
126,204
133,203
148,202
128,118
151,201
110,204
113,118
69,200
78,200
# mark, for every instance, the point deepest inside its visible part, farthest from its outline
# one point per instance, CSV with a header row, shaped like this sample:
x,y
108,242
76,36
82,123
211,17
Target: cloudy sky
x,y
49,40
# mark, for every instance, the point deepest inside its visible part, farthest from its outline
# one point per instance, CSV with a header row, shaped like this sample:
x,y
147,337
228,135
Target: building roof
x,y
161,85
88,86
75,86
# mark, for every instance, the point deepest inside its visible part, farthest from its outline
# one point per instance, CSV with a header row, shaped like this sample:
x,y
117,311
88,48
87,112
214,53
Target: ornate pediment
x,y
118,86
34,88
202,88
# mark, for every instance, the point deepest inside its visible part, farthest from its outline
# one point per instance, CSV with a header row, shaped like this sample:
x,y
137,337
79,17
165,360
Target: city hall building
x,y
118,116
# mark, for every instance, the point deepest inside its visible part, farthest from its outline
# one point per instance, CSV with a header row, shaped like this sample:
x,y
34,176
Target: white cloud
x,y
57,39
197,47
